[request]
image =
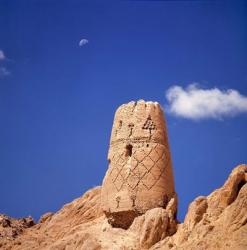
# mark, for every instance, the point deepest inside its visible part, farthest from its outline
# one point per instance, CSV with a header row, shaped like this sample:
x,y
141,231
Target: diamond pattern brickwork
x,y
147,167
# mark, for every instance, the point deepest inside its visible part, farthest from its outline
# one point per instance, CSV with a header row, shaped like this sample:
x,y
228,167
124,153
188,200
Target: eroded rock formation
x,y
218,222
11,228
140,175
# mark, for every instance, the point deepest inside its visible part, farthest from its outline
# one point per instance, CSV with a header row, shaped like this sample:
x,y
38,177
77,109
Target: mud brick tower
x,y
140,174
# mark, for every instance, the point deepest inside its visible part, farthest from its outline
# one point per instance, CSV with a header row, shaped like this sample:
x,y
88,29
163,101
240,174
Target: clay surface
x,y
140,175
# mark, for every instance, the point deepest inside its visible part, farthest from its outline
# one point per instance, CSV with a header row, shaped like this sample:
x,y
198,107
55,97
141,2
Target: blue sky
x,y
57,99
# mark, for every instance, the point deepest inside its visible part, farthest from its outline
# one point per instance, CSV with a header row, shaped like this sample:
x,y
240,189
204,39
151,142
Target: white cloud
x,y
4,72
196,103
2,56
83,42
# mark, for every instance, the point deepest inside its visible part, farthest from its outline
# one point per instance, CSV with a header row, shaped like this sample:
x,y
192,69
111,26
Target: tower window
x,y
128,152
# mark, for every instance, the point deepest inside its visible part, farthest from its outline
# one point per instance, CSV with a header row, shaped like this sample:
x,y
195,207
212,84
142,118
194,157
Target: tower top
x,y
139,121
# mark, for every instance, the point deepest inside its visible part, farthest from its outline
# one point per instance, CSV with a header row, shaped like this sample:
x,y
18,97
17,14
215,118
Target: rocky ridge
x,y
218,221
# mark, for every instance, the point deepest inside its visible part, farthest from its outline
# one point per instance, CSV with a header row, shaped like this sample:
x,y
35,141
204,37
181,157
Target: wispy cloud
x,y
197,103
2,56
83,42
4,72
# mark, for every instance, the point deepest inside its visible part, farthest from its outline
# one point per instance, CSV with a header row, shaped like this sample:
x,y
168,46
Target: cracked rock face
x,y
10,228
139,176
217,221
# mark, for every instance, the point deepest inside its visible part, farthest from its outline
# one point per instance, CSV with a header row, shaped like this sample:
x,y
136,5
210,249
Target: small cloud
x,y
83,42
196,103
2,56
4,72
